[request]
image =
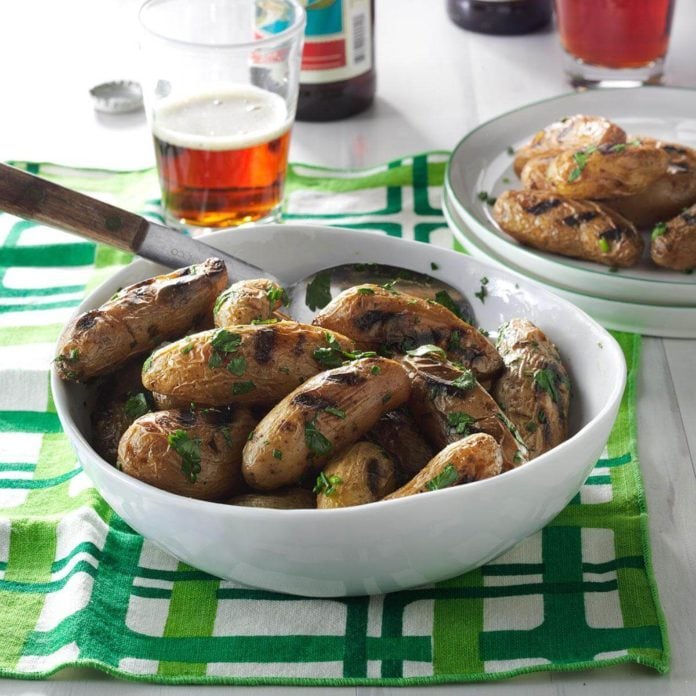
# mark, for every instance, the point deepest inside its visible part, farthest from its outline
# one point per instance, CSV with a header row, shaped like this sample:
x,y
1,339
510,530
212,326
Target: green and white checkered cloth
x,y
79,587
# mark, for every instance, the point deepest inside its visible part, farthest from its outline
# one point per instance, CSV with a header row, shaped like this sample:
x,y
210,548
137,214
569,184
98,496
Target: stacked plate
x,y
645,299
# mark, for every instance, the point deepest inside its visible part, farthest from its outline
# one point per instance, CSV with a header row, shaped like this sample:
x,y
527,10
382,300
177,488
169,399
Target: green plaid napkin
x,y
79,587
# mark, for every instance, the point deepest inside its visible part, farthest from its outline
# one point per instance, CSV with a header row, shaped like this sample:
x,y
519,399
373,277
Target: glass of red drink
x,y
220,82
614,42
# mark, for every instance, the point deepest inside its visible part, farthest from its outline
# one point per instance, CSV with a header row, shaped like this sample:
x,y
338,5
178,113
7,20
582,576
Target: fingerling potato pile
x,y
213,393
591,192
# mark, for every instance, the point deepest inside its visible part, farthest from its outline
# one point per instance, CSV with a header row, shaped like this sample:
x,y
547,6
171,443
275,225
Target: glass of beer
x,y
614,43
220,81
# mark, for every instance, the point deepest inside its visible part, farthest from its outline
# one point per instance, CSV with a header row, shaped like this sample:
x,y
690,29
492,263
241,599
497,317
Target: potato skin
x,y
576,132
580,229
668,195
113,411
247,301
137,319
363,474
285,499
397,434
375,317
323,416
146,454
533,175
447,413
474,458
271,360
534,389
608,172
675,248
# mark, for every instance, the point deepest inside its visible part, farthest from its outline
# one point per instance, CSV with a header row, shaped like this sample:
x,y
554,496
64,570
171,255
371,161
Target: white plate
x,y
481,162
388,545
649,320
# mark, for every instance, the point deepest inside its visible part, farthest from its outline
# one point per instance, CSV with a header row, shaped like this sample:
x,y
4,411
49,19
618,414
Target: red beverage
x,y
615,33
222,158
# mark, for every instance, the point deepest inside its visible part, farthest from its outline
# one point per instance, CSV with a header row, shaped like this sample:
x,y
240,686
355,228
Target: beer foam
x,y
232,118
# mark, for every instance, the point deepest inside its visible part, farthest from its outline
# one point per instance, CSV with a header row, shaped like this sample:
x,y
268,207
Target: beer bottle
x,y
500,16
337,78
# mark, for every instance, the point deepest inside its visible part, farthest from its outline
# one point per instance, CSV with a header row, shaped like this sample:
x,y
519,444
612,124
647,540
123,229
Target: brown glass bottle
x,y
500,16
338,77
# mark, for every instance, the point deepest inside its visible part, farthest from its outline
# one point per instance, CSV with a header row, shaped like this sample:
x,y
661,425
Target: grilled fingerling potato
x,y
607,171
450,404
323,416
575,132
363,474
398,435
580,229
378,318
673,244
137,319
474,458
247,301
534,389
249,364
192,453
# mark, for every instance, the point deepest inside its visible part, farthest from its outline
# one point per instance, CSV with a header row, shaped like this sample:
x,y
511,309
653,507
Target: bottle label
x,y
338,40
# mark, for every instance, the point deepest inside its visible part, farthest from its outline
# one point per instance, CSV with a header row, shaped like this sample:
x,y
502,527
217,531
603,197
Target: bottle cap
x,y
117,97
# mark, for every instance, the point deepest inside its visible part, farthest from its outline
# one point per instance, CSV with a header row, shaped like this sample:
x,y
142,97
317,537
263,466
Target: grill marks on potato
x,y
534,389
580,229
252,364
136,319
379,318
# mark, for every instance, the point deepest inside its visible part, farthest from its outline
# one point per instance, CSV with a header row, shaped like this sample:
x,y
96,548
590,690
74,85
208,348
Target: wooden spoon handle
x,y
33,198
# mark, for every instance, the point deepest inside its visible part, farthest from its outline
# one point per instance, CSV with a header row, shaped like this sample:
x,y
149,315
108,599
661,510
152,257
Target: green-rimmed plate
x,y
481,162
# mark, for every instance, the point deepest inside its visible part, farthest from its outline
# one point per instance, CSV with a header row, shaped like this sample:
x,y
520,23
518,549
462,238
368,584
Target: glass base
x,y
586,75
273,216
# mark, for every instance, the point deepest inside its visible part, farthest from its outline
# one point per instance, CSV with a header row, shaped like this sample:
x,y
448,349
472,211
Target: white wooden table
x,y
435,82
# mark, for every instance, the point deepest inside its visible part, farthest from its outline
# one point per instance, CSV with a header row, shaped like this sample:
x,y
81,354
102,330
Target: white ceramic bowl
x,y
391,545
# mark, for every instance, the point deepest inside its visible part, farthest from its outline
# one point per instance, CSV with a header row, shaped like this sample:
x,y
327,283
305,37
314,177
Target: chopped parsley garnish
x,y
73,355
454,342
460,422
541,416
189,449
519,457
227,435
434,266
545,380
222,298
327,484
618,147
338,412
366,291
215,359
580,158
136,405
483,292
315,441
272,320
510,150
604,245
389,285
445,479
658,230
242,387
483,196
426,349
277,454
531,426
148,363
187,348
318,293
277,294
375,369
505,180
466,380
237,366
225,341
334,356
387,398
445,299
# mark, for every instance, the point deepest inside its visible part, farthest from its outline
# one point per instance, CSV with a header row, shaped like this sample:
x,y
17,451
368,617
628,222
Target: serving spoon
x,y
33,198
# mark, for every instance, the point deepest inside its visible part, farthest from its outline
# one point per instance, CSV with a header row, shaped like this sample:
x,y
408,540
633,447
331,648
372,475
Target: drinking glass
x,y
614,42
220,82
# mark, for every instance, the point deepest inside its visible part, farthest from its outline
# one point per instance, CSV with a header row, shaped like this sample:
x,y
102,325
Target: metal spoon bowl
x,y
34,198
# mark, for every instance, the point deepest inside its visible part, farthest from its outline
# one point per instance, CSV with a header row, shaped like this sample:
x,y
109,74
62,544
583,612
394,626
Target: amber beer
x,y
222,156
